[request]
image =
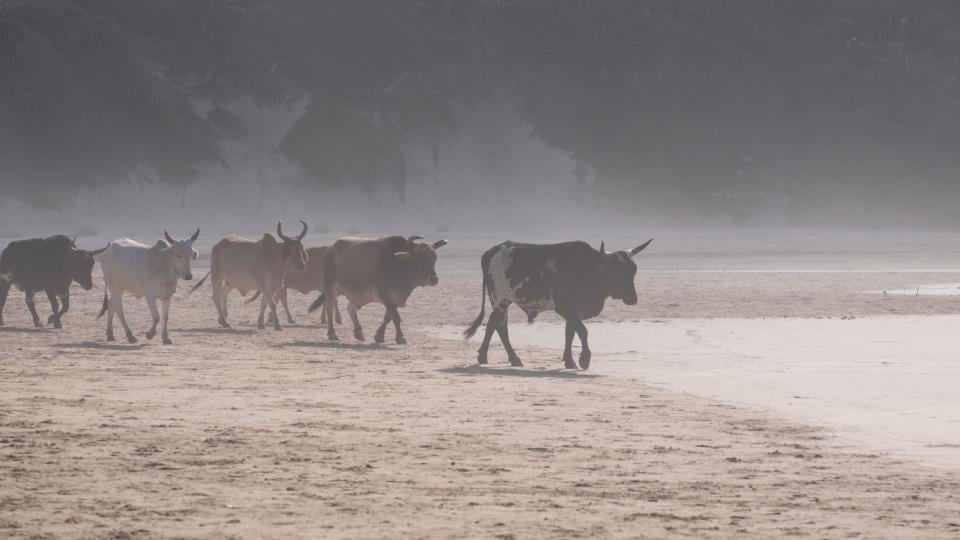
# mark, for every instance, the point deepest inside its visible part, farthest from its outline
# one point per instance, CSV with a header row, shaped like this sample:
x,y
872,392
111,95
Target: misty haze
x,y
704,254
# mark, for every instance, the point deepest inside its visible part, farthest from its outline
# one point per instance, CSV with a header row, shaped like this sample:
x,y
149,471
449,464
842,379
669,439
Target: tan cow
x,y
304,282
249,265
376,270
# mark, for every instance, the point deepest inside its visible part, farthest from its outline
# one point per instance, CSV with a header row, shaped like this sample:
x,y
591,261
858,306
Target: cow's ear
x,y
404,255
196,254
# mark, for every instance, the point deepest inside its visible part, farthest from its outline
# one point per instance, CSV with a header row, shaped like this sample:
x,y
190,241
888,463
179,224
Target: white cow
x,y
144,271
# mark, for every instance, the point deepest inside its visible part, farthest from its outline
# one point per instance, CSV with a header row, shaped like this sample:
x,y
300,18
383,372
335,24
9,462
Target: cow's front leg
x,y
54,318
165,313
33,309
357,329
381,334
329,303
286,307
584,346
64,305
568,347
155,314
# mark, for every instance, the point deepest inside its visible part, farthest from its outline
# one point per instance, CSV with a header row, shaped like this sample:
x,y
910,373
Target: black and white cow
x,y
571,279
45,264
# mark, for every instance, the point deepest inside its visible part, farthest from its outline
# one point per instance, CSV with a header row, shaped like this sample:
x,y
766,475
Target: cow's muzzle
x,y
188,276
631,301
86,286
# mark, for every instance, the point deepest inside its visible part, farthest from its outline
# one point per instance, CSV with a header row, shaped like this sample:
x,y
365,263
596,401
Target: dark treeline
x,y
680,102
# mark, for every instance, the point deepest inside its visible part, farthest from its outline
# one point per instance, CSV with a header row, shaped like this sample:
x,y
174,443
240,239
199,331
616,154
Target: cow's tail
x,y
199,283
318,303
106,302
472,329
252,298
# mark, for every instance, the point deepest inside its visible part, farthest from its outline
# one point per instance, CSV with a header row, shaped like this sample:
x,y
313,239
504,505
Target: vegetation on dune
x,y
659,98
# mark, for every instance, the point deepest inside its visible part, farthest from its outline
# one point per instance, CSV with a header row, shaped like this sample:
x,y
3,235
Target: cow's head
x,y
294,256
80,265
419,261
617,271
180,254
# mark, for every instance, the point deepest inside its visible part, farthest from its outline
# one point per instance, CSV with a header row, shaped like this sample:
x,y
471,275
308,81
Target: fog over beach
x,y
789,368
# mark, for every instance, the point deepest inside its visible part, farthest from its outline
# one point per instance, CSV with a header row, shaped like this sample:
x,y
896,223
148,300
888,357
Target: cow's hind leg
x,y
117,300
496,318
357,329
54,318
110,312
504,333
33,309
220,293
4,290
585,353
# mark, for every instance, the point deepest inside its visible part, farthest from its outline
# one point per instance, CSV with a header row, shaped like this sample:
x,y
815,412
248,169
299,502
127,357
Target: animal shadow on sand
x,y
355,346
476,369
218,330
105,346
25,330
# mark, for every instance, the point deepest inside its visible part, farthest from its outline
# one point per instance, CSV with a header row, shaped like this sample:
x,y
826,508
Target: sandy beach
x,y
253,434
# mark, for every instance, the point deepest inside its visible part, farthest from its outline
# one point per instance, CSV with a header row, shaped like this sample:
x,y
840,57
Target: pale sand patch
x,y
265,434
891,384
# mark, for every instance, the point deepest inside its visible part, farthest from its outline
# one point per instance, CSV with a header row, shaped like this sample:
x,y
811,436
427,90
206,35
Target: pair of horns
x,y
299,237
633,251
436,245
171,241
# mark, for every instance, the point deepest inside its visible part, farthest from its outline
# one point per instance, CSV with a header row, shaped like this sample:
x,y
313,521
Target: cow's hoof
x,y
378,338
151,334
332,337
131,339
291,321
37,324
110,337
585,360
569,363
51,319
515,362
277,327
57,325
482,358
359,336
166,341
401,340
223,323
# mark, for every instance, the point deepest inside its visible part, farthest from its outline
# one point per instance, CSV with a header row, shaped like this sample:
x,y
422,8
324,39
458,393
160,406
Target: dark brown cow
x,y
376,270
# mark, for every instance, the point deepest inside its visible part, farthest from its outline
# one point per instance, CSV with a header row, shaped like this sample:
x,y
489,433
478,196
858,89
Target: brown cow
x,y
381,270
248,265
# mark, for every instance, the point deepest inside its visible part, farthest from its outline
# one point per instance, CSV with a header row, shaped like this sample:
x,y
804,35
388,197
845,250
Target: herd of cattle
x,y
571,279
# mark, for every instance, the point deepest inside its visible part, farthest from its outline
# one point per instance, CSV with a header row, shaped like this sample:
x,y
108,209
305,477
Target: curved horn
x,y
195,235
414,238
99,251
603,249
439,243
640,248
166,235
304,233
280,230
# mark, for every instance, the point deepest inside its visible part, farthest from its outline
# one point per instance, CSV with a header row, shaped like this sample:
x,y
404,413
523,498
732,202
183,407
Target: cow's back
x,y
359,262
126,265
241,261
37,263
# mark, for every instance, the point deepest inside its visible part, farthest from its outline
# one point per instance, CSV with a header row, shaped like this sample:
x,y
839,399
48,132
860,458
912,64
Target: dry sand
x,y
279,434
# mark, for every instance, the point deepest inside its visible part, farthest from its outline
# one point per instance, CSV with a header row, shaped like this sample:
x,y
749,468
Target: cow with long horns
x,y
49,265
375,270
150,272
572,279
254,265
